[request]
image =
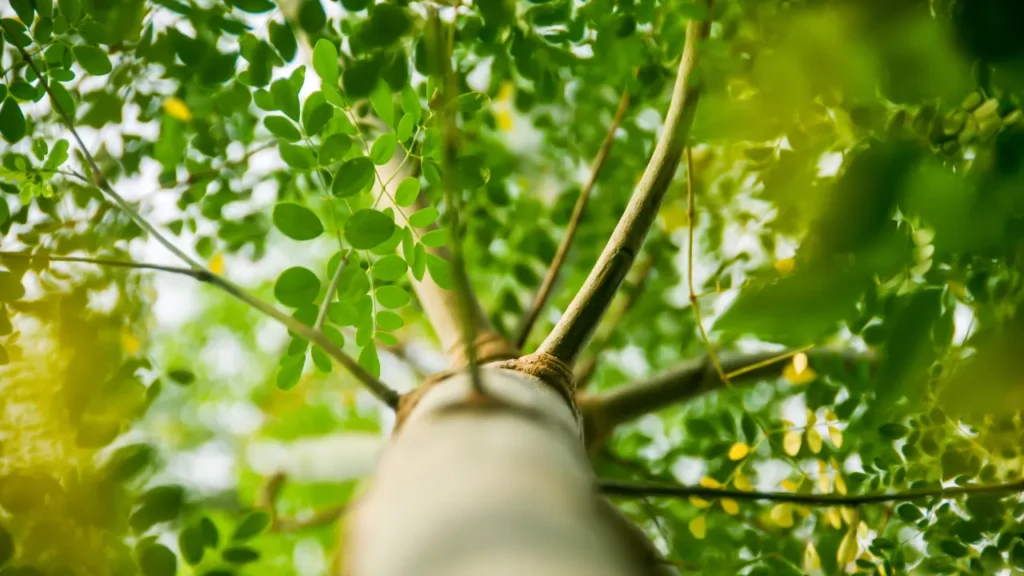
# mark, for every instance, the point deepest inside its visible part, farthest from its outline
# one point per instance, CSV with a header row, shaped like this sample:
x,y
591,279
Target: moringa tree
x,y
684,287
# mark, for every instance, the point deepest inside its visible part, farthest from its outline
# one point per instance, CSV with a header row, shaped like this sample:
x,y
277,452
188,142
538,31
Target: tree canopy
x,y
217,218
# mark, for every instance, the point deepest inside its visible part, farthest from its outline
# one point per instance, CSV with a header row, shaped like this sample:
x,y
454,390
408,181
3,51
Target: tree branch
x,y
332,288
616,488
570,230
375,386
604,412
199,275
577,324
586,370
268,501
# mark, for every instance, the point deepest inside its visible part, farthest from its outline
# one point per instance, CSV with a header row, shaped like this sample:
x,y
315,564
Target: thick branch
x,y
615,488
603,412
577,325
574,222
375,386
585,371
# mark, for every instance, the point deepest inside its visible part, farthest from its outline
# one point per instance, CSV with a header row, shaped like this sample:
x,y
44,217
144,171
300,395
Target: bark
x,y
500,488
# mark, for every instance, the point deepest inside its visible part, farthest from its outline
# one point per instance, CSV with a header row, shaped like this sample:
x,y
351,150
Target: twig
x,y
199,275
268,501
576,326
691,213
213,172
321,316
574,221
375,386
462,286
586,369
671,490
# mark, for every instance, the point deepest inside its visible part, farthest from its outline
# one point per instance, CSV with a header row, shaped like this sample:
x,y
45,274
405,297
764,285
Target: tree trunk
x,y
494,487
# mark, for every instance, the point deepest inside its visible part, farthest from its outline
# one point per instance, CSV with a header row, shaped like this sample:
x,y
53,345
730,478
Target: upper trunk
x,y
495,487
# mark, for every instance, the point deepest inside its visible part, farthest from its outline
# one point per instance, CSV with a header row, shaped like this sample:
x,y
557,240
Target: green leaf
x,y
797,309
388,320
251,6
318,118
240,555
325,62
252,525
472,102
296,287
12,121
159,504
353,177
290,372
312,17
298,157
24,9
286,97
334,148
283,39
369,360
190,543
405,128
440,270
392,296
209,532
15,32
157,560
389,268
407,192
909,512
423,218
182,376
297,222
411,105
383,149
908,351
893,430
6,546
282,128
367,228
63,99
383,105
92,59
436,238
11,288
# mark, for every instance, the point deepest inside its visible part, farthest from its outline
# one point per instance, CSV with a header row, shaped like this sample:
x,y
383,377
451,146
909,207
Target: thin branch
x,y
624,404
268,501
199,275
691,213
586,369
574,221
213,172
375,386
463,289
616,488
576,326
321,315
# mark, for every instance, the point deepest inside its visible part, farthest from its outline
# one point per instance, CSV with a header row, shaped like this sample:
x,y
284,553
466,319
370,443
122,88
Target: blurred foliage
x,y
859,180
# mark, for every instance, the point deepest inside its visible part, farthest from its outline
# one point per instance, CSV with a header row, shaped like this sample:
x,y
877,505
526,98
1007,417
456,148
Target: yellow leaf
x,y
836,436
848,549
814,440
177,109
791,442
799,362
709,482
698,527
849,515
840,484
673,216
129,343
812,418
741,482
730,506
805,377
217,264
862,531
504,120
785,265
782,514
811,559
834,518
789,485
504,92
738,451
830,416
824,482
699,502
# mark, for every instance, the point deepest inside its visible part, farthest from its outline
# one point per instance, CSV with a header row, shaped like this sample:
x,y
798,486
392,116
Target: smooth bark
x,y
468,489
